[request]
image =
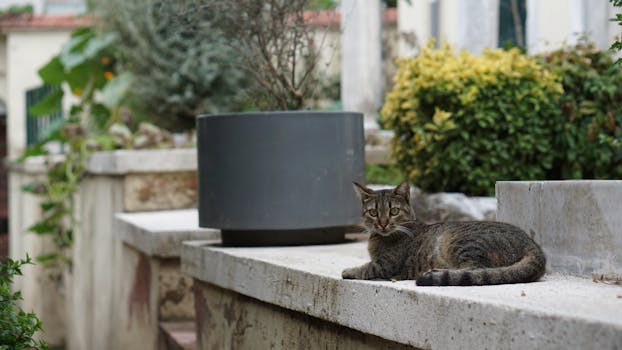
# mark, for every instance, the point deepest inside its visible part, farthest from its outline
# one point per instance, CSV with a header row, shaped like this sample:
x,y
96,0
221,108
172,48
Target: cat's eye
x,y
394,211
373,212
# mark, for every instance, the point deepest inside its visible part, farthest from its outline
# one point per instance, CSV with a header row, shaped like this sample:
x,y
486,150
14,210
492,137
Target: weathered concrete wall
x,y
84,298
151,288
147,291
175,297
96,252
124,181
577,223
136,303
43,291
228,320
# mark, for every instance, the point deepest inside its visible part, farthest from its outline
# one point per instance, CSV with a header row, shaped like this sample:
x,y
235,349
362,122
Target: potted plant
x,y
277,177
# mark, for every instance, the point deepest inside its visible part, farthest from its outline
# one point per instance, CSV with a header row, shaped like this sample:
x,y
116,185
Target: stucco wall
x,y
26,52
3,69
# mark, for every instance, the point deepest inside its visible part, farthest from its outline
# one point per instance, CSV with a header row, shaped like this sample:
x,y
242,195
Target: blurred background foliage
x,y
463,122
181,63
589,144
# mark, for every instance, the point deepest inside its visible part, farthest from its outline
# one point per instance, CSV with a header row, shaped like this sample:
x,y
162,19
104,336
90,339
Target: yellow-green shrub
x,y
462,122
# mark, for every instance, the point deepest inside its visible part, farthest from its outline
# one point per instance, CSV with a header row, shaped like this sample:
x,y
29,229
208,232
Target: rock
x,y
121,134
440,207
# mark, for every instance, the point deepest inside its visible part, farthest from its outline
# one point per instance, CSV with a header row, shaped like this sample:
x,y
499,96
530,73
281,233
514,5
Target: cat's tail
x,y
529,269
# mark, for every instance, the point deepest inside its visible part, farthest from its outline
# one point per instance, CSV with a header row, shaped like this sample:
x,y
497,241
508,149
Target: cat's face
x,y
385,210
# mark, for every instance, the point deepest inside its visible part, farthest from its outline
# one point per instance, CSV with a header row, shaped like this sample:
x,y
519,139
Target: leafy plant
x,y
85,67
276,46
181,63
17,327
588,144
463,122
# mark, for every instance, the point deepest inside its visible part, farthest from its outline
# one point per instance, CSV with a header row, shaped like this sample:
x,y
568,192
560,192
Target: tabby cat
x,y
443,254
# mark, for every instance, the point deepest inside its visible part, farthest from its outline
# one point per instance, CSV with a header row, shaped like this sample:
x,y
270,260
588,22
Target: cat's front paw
x,y
351,274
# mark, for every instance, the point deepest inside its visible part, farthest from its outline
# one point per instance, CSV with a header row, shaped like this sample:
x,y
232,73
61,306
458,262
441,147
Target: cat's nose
x,y
383,224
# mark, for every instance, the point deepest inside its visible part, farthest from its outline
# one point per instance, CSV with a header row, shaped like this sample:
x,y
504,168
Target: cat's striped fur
x,y
443,254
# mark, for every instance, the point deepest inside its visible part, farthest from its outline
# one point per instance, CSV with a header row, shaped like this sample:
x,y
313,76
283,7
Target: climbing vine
x,y
86,68
99,120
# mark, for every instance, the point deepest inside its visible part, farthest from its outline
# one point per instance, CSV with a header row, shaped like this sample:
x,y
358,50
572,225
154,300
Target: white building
x,y
476,24
542,25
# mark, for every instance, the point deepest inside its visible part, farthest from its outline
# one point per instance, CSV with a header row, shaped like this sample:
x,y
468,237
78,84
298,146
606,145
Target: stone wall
x,y
84,298
228,320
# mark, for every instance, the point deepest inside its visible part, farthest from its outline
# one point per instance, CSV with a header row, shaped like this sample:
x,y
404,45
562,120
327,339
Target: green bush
x,y
462,122
17,327
181,63
589,144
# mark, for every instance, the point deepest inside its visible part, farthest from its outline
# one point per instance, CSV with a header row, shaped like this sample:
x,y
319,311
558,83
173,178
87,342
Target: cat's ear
x,y
403,189
362,191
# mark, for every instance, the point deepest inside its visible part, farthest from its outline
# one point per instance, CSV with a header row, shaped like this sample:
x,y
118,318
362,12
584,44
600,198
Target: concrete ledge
x,y
577,223
35,165
143,161
161,233
172,159
561,312
121,162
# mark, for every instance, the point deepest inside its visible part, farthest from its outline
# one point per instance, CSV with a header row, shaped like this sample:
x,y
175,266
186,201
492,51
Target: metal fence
x,y
36,125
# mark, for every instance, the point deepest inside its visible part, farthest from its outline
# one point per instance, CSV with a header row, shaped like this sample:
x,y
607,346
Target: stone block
x,y
160,191
577,223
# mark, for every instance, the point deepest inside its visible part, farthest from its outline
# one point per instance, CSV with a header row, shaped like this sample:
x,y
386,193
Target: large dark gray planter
x,y
280,178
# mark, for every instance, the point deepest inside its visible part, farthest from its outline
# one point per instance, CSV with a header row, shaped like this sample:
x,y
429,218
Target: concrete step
x,y
179,335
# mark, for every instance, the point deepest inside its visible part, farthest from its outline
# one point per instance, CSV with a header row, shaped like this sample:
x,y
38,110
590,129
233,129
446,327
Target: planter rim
x,y
296,113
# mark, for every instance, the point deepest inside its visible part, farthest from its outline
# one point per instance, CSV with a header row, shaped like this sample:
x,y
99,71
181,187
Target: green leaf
x,y
48,205
51,103
99,43
53,131
48,259
99,115
106,141
71,54
78,77
82,31
36,187
116,90
38,149
42,227
53,73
